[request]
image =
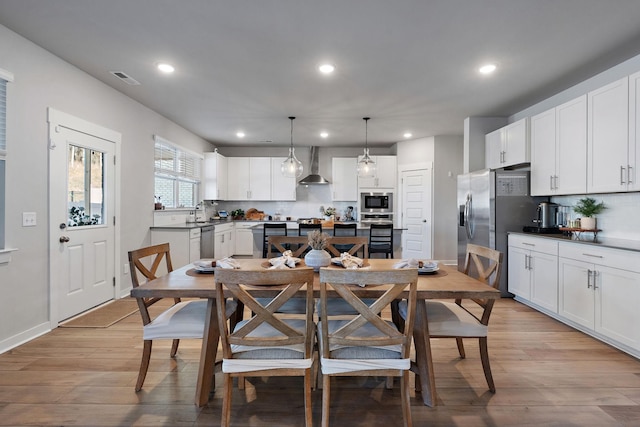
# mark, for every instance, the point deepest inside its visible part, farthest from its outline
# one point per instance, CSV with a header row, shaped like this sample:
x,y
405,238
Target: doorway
x,y
416,190
82,209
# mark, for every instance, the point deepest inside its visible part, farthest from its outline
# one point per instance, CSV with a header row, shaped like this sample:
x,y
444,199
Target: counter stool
x,y
277,229
381,239
345,230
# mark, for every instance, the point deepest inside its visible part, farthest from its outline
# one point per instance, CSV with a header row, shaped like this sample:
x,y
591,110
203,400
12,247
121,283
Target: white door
x,y
416,214
82,211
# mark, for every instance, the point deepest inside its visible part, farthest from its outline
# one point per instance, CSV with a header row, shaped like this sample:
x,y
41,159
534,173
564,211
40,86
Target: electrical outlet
x,y
28,219
125,269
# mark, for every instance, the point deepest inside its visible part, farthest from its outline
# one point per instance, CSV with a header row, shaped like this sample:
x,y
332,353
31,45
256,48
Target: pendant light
x,y
291,167
366,165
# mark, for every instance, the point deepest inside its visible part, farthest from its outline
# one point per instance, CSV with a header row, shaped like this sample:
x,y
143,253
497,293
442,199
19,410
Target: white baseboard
x,y
24,337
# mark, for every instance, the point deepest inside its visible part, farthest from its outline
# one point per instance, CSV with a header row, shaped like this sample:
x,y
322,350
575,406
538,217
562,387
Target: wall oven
x,y
376,207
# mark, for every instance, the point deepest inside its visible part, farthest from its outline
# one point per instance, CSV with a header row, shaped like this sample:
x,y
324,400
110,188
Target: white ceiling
x,y
408,64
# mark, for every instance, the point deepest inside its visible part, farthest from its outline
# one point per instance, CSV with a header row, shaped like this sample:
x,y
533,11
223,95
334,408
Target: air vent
x,y
125,78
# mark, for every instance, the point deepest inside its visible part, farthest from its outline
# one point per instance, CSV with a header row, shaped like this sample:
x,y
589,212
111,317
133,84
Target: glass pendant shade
x,y
291,167
366,165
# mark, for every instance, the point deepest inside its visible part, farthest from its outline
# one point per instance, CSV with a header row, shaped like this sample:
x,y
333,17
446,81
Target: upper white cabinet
x,y
249,178
559,149
282,187
634,133
386,173
215,176
508,146
344,179
608,160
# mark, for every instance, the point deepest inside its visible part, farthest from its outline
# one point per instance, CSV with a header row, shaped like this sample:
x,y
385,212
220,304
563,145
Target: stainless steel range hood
x,y
313,178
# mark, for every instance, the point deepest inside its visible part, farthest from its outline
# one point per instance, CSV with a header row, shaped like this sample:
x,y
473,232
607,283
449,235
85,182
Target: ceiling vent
x,y
125,78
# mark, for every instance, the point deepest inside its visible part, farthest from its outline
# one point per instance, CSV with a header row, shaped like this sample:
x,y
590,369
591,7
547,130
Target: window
x,y
177,175
5,77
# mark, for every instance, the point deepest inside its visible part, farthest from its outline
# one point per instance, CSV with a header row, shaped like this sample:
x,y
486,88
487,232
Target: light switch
x,y
28,219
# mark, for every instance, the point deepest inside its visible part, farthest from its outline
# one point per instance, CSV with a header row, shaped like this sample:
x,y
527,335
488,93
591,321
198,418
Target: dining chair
x,y
184,319
344,230
267,344
365,344
278,244
381,239
304,229
351,245
448,319
271,229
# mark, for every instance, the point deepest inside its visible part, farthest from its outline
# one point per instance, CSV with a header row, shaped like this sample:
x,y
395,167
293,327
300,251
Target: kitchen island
x,y
292,230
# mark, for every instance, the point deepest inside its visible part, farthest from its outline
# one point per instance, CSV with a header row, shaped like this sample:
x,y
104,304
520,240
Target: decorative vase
x,y
317,258
588,223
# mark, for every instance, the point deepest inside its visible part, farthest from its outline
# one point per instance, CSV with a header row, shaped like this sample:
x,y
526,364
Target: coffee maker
x,y
548,220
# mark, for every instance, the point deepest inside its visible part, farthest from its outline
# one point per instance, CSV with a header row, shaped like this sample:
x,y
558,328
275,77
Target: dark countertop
x,y
586,238
294,226
191,225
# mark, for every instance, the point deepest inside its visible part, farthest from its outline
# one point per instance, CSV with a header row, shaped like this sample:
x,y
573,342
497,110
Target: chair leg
x,y
226,401
174,347
308,408
484,356
326,397
460,348
144,364
406,403
389,383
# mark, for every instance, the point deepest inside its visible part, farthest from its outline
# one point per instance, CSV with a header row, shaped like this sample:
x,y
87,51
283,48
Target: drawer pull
x,y
593,256
528,244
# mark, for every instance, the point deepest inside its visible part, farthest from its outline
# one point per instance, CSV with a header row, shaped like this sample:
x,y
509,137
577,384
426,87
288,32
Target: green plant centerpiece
x,y
237,214
78,217
588,208
317,257
328,212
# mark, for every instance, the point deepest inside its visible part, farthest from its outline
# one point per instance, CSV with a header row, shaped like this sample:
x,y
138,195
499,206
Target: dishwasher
x,y
207,241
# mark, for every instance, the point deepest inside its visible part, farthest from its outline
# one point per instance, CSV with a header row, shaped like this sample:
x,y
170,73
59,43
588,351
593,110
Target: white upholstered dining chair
x,y
267,344
182,320
365,344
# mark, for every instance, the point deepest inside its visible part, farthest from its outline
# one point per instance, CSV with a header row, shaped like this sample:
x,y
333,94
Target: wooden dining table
x,y
446,283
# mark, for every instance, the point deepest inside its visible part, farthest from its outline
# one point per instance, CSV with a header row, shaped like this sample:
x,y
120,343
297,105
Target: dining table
x,y
444,283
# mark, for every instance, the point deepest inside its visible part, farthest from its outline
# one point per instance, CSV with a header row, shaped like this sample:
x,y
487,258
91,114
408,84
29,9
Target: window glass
x,y
177,175
85,187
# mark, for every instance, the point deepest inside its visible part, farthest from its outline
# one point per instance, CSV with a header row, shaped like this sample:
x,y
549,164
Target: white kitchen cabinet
x,y
600,290
508,146
224,245
244,238
184,244
386,174
559,149
249,178
282,188
344,179
634,133
215,176
533,270
608,138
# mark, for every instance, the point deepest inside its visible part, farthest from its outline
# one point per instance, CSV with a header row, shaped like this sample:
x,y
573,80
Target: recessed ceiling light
x,y
407,135
166,68
324,135
326,68
487,68
240,134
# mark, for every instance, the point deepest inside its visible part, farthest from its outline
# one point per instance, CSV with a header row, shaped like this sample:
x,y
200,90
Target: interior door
x,y
416,214
82,232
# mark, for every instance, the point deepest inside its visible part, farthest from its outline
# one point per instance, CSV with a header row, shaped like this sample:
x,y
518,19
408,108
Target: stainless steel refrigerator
x,y
492,203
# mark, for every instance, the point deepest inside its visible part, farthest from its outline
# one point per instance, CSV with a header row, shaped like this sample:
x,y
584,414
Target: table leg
x,y
423,354
208,354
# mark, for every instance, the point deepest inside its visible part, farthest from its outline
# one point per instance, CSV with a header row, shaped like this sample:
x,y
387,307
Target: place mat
x,y
438,273
195,273
104,316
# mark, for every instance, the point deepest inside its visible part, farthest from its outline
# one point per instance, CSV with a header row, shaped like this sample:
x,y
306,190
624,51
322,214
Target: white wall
x,y
41,81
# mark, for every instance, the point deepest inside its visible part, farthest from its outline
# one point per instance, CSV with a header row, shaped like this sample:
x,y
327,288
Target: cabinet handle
x,y
621,175
594,274
528,244
629,169
588,279
526,262
550,182
530,259
593,256
555,182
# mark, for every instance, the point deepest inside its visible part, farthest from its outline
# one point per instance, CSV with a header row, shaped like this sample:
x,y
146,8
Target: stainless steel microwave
x,y
376,202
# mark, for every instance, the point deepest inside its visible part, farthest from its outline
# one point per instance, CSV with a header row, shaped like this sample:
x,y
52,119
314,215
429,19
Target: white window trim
x,y
5,254
157,139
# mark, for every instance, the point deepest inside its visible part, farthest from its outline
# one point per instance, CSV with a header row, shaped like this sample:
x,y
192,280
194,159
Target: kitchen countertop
x,y
586,239
191,225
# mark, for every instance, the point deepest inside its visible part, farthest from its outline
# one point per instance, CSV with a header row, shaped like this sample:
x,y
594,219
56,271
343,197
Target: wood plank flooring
x,y
546,374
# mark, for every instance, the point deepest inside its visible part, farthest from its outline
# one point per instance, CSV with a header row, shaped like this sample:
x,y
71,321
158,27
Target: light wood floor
x,y
545,373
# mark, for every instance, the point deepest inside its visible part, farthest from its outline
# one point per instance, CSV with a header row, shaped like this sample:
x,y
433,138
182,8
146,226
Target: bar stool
x,y
305,229
278,229
381,239
344,230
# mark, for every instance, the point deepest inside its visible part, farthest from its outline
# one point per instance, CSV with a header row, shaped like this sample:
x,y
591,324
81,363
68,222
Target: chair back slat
x,y
484,264
297,244
335,244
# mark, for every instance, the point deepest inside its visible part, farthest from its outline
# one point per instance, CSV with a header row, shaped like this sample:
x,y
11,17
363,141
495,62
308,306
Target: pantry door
x,y
416,214
82,195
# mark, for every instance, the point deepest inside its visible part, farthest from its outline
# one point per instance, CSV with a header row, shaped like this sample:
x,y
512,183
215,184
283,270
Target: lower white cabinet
x,y
184,244
592,288
533,270
224,241
600,291
244,238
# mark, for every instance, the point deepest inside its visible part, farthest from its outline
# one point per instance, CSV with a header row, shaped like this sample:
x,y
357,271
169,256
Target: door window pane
x,y
85,190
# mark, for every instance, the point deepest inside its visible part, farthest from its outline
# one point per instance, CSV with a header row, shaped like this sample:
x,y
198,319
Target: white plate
x,y
428,270
204,269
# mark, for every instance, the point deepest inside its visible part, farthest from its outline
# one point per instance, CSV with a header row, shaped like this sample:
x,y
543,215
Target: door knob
x,y
64,239
424,220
